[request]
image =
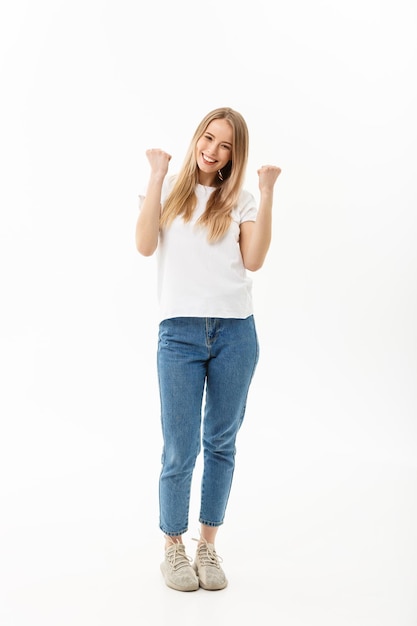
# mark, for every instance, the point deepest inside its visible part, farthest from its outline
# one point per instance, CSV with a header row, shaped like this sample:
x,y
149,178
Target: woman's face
x,y
213,150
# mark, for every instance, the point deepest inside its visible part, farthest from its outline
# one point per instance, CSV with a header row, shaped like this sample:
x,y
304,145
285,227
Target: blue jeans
x,y
200,358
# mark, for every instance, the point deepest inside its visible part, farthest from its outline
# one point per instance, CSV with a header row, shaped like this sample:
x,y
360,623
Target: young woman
x,y
208,232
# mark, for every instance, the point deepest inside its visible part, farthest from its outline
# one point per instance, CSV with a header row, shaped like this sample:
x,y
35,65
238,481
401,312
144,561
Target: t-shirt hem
x,y
209,314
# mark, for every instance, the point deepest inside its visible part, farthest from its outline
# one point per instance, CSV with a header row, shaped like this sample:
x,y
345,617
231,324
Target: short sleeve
x,y
247,210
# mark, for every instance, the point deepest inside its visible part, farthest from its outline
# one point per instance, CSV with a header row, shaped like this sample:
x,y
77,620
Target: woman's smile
x,y
208,160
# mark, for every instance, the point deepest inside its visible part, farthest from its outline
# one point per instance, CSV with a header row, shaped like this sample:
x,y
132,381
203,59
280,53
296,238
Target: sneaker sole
x,y
207,588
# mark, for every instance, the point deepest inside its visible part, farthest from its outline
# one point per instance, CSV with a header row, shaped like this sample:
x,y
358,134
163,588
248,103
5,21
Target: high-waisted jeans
x,y
200,358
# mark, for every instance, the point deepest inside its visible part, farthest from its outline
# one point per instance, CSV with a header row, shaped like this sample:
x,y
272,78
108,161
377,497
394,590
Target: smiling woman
x,y
208,230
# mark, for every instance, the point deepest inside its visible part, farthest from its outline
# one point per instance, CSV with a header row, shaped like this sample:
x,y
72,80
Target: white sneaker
x,y
207,566
177,570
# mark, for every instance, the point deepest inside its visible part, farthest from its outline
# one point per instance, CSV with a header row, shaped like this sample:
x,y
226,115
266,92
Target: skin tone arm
x,y
147,225
255,237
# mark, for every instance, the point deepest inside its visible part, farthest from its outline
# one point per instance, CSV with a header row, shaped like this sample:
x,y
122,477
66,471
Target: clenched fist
x,y
268,175
158,160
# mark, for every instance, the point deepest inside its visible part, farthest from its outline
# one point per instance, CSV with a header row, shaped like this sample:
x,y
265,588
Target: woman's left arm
x,y
255,237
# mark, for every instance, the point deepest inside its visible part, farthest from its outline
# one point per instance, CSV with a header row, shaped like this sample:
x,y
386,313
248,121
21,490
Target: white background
x,y
321,526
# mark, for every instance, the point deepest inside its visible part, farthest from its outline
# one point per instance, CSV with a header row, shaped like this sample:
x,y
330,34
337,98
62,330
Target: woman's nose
x,y
212,149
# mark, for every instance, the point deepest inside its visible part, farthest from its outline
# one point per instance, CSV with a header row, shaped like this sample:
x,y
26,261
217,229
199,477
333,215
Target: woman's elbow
x,y
145,248
253,266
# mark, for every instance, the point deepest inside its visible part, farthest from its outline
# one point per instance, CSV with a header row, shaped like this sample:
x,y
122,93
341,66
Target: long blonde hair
x,y
182,198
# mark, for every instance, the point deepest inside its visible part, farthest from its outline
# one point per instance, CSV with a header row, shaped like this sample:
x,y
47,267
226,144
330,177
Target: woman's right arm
x,y
147,225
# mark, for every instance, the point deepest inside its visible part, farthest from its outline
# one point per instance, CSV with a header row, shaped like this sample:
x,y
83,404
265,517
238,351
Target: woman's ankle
x,y
169,541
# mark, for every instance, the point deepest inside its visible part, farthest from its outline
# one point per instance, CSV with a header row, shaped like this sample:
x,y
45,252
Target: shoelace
x,y
207,554
177,557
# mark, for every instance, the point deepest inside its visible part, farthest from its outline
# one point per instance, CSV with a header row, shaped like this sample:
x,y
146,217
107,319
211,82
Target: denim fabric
x,y
201,358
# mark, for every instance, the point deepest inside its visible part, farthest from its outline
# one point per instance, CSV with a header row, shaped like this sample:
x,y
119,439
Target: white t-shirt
x,y
201,279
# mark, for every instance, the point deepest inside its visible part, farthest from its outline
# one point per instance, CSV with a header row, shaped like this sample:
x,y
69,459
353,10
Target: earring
x,y
220,175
